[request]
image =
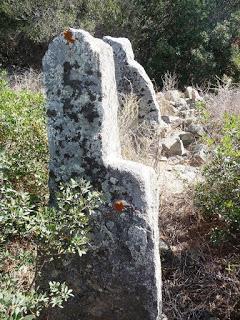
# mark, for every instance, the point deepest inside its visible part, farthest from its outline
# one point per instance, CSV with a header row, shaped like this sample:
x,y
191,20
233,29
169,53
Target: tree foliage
x,y
197,39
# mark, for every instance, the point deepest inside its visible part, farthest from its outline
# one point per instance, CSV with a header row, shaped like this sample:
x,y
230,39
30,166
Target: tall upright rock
x,y
119,278
132,78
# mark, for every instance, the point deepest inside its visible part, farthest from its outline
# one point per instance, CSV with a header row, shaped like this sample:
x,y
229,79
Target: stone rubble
x,y
172,146
182,151
187,138
180,113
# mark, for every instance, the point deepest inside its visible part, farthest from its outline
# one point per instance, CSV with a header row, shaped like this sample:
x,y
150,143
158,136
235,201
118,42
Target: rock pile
x,y
180,111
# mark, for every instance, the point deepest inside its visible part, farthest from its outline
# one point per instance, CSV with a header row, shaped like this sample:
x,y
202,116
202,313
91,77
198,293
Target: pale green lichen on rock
x,y
120,277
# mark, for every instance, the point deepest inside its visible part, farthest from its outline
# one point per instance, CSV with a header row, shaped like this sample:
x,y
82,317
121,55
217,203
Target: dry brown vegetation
x,y
170,81
200,280
23,273
28,79
226,98
139,141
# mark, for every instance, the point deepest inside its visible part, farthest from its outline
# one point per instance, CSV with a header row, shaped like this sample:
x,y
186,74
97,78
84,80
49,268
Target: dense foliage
x,y
32,233
219,195
195,39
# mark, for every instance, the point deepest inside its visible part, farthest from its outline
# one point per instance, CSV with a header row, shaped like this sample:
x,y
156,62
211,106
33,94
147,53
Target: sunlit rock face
x,y
132,78
120,277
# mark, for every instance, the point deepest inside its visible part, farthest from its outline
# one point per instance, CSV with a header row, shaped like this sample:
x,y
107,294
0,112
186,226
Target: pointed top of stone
x,y
133,79
121,45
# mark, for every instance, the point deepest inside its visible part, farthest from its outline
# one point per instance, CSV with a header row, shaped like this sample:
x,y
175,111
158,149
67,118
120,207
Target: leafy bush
x,y
32,233
23,137
39,234
219,195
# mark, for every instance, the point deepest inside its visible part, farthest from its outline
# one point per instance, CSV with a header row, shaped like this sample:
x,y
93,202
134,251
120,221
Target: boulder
x,y
193,94
181,104
189,120
199,154
173,121
187,138
173,146
196,129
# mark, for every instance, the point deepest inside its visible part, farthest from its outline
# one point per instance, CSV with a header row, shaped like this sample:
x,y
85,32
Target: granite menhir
x,y
131,78
120,276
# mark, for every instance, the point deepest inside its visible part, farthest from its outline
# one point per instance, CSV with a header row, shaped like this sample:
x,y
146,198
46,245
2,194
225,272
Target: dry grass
x,y
226,98
27,80
22,272
170,81
200,280
139,141
165,105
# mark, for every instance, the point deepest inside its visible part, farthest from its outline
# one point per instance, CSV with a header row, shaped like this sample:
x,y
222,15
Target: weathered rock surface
x,y
187,138
172,146
132,78
193,94
199,154
181,104
173,121
189,120
196,129
119,278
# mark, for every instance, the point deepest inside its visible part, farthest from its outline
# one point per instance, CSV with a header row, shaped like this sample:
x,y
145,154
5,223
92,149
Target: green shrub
x,y
219,195
32,233
23,137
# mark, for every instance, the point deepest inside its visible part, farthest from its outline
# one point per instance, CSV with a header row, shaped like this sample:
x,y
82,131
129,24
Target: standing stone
x,y
132,78
119,278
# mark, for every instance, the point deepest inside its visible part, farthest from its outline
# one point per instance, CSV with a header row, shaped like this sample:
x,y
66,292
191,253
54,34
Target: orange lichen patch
x,y
120,205
68,36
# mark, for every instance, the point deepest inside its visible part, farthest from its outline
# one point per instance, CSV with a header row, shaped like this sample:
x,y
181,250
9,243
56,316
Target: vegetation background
x,y
196,39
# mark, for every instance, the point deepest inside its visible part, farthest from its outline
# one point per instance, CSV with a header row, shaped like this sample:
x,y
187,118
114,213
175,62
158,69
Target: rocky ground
x,y
182,150
199,280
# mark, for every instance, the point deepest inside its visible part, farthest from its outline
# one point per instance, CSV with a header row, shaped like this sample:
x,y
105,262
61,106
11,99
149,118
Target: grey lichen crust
x,y
132,78
120,277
